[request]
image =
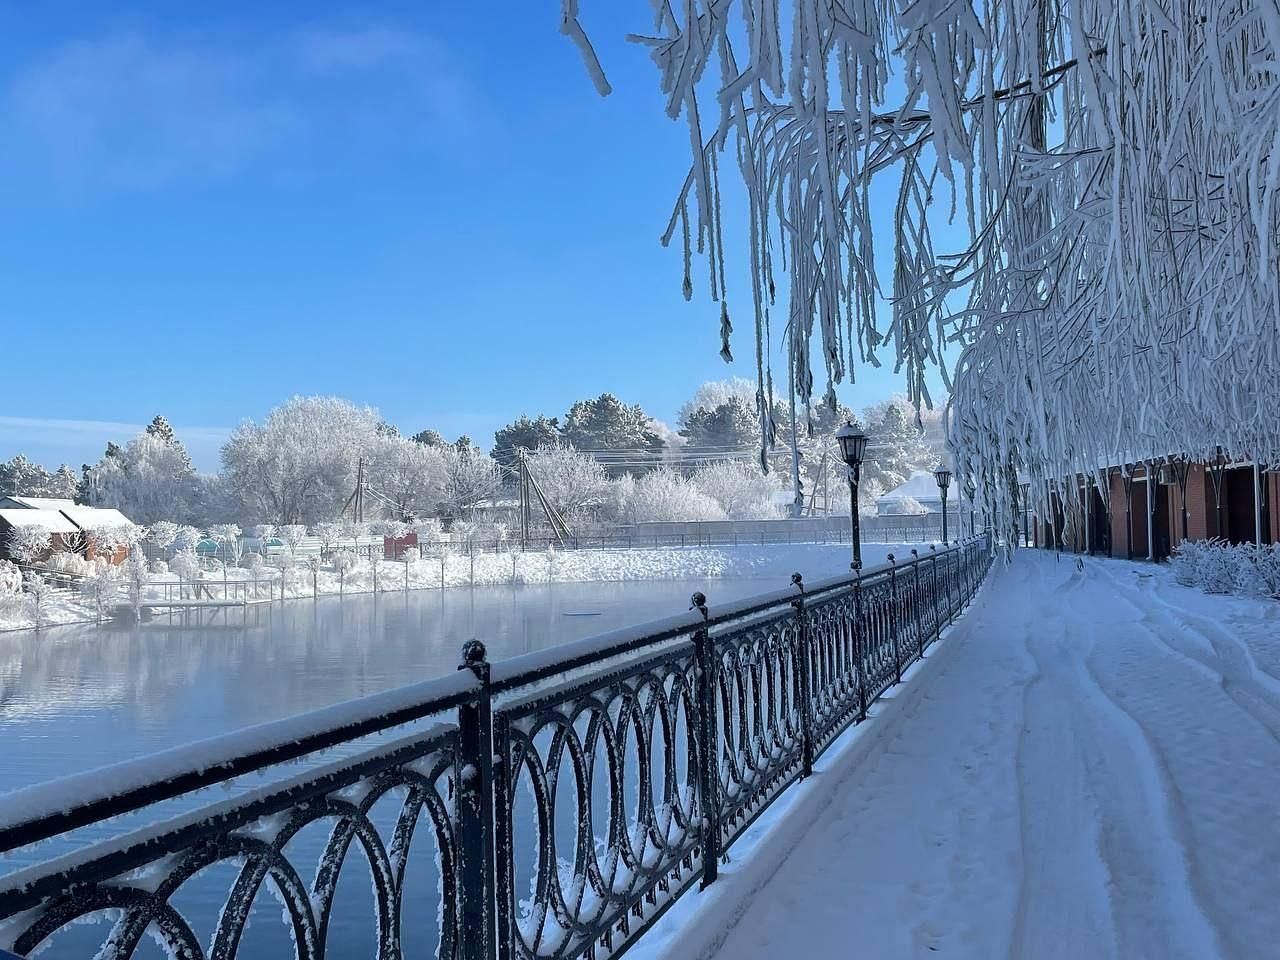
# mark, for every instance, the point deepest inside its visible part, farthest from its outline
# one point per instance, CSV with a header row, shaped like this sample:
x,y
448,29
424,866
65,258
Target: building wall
x,y
1273,482
1119,525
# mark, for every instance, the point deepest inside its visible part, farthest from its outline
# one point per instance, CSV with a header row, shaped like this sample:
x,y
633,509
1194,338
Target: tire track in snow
x,y
1230,665
1099,807
1057,817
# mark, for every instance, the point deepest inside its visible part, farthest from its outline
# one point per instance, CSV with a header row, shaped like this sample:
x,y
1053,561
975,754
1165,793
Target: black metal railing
x,y
555,803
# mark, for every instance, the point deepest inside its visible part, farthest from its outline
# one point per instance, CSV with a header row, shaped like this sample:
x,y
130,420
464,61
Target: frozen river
x,y
77,697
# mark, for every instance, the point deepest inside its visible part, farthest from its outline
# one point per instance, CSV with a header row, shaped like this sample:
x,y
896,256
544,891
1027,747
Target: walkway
x,y
1090,767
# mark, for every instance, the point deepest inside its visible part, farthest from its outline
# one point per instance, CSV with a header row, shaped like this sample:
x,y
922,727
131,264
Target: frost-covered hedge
x,y
1220,567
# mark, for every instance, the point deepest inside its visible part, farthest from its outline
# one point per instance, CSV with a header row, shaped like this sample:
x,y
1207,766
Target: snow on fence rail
x,y
567,796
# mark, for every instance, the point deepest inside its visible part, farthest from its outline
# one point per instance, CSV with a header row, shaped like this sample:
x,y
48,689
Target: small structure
x,y
64,534
922,488
69,522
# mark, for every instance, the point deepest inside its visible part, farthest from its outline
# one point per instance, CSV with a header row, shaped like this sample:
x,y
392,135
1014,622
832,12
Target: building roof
x,y
921,487
51,520
95,518
35,503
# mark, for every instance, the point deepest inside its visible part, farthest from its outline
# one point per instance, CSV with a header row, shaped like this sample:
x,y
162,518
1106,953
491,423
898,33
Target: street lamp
x,y
943,477
853,446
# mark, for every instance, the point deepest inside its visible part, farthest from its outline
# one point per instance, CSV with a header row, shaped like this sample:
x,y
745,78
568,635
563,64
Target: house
x,y
922,488
69,521
65,534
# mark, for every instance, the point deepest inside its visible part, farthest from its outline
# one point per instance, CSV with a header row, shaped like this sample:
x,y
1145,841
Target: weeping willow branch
x,y
1117,298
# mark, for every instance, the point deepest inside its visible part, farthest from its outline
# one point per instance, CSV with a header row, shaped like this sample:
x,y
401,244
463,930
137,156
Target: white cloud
x,y
137,110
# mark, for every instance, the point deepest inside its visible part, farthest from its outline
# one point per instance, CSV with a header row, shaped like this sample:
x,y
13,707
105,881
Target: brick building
x,y
1146,510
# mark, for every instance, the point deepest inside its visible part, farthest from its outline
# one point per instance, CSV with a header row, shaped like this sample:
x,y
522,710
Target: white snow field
x,y
1088,766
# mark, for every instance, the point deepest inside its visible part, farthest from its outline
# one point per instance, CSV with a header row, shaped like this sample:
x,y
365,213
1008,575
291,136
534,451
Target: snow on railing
x,y
566,794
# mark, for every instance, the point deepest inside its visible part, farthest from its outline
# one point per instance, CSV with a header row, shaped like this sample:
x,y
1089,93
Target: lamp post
x,y
943,478
853,446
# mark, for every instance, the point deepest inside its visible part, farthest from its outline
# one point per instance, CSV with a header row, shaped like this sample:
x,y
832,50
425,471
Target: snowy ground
x,y
816,561
1088,766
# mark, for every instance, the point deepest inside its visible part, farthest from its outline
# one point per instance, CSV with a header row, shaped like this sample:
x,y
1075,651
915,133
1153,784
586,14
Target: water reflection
x,y
75,698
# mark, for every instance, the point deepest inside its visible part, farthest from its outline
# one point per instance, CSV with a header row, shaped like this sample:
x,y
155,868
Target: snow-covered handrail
x,y
682,729
37,813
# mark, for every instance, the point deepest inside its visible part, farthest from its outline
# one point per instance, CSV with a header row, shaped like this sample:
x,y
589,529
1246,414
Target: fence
x,y
567,797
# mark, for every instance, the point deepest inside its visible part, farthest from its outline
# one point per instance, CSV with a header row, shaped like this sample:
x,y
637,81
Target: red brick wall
x,y
1274,493
1119,527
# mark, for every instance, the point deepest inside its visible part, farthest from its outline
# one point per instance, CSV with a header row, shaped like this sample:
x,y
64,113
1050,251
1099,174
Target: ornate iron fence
x,y
567,797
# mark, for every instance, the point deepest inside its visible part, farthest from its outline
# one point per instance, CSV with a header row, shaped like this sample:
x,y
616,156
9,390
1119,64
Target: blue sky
x,y
420,206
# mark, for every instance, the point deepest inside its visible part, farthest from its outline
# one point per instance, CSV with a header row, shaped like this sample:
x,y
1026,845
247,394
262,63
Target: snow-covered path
x,y
1088,767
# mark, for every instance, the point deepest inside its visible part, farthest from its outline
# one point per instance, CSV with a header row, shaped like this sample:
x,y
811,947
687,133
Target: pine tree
x,y
732,425
524,434
430,438
161,430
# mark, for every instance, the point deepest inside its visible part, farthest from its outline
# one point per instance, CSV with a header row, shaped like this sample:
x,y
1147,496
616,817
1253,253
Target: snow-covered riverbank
x,y
453,571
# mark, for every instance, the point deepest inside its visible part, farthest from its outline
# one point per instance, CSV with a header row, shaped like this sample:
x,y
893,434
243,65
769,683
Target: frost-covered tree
x,y
897,448
185,539
29,542
227,537
107,541
21,477
411,476
329,533
149,479
470,478
1111,174
293,534
741,488
299,465
574,483
524,434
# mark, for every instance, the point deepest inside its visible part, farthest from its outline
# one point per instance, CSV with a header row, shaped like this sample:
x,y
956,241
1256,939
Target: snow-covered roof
x,y
920,487
95,518
51,520
35,503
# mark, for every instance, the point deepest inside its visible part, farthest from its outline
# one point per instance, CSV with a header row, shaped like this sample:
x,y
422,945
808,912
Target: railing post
x,y
916,604
475,813
708,756
859,643
803,668
935,595
893,618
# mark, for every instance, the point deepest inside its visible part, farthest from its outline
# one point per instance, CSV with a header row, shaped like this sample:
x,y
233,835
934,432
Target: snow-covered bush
x,y
10,579
344,562
255,563
665,495
39,592
1220,567
742,489
70,563
159,567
